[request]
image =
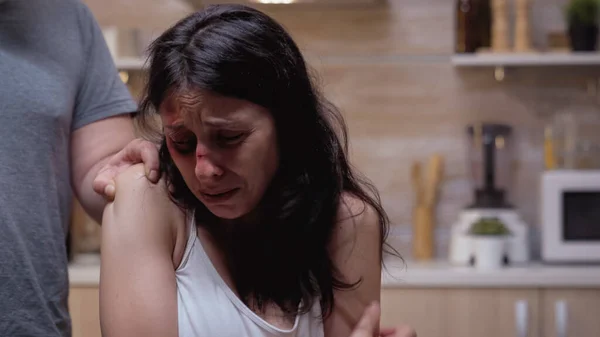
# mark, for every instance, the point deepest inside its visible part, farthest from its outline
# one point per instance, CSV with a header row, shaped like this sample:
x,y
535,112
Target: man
x,y
64,117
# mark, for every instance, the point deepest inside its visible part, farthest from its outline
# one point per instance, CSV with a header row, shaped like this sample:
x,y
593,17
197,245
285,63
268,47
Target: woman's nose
x,y
205,166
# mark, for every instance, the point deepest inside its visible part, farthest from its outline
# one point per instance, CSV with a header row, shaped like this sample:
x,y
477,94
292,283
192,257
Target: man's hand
x,y
135,152
368,326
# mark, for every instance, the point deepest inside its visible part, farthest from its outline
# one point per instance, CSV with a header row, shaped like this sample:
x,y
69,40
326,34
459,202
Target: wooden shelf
x,y
526,59
130,63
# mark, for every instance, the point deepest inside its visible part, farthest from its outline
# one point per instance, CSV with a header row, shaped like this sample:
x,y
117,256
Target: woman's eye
x,y
185,145
230,137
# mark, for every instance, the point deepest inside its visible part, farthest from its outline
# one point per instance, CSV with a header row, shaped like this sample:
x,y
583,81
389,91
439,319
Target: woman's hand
x,y
137,151
368,326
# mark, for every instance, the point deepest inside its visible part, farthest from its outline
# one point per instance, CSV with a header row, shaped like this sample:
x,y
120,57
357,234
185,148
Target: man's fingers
x,y
149,155
98,185
139,151
110,191
103,179
368,324
104,183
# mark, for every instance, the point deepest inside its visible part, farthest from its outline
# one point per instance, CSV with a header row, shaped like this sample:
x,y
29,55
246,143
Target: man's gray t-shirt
x,y
56,75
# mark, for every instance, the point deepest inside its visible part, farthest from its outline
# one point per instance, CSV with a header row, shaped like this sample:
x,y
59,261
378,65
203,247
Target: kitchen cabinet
x,y
443,312
491,312
84,307
465,312
571,312
423,309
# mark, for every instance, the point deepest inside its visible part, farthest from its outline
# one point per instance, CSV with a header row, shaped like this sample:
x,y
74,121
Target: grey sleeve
x,y
101,92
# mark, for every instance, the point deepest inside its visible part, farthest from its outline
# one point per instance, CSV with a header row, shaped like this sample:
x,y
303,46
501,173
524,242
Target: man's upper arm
x,y
356,252
101,121
91,147
137,280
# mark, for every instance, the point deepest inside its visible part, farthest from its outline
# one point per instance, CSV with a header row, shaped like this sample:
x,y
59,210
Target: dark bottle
x,y
473,25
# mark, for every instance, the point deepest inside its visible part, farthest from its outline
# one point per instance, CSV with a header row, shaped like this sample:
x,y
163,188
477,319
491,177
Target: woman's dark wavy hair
x,y
237,51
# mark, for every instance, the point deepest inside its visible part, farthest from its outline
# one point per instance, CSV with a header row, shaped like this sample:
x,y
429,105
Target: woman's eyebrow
x,y
221,122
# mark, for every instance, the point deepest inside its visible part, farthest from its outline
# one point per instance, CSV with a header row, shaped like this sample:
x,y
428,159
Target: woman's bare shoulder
x,y
133,183
134,190
144,207
357,229
356,213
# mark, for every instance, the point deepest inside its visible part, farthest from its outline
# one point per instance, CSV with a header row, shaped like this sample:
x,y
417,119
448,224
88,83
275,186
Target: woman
x,y
259,227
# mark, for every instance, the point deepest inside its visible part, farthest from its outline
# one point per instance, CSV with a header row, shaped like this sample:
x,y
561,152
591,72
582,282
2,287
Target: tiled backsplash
x,y
388,68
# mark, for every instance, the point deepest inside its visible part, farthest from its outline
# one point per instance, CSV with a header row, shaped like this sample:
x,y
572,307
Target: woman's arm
x,y
137,274
356,252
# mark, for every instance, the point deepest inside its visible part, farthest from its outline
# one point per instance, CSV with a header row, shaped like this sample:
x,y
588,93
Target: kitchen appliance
x,y
570,215
491,166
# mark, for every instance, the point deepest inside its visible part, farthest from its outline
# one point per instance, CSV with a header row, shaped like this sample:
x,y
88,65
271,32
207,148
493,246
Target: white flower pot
x,y
489,251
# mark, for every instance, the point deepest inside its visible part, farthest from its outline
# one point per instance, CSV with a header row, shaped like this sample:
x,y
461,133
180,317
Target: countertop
x,y
84,271
534,274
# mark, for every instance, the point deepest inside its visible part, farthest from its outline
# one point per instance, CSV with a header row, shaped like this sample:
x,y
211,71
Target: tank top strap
x,y
191,240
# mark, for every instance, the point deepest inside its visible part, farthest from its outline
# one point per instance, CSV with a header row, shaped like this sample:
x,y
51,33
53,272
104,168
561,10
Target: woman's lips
x,y
219,197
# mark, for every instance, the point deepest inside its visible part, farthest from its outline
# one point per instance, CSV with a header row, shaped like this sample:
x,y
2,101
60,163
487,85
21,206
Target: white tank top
x,y
208,307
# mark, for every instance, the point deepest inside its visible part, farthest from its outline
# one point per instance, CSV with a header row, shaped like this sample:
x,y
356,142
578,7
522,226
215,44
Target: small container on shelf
x,y
473,24
500,29
523,26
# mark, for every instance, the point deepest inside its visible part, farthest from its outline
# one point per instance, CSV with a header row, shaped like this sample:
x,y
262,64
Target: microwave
x,y
570,216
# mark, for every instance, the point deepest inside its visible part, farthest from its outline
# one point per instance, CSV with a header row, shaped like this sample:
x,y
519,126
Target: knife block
x,y
423,237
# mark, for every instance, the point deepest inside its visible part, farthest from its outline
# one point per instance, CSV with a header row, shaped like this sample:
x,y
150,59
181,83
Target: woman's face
x,y
225,148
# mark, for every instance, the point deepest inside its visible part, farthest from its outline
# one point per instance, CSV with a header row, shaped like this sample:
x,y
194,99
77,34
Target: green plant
x,y
583,12
488,226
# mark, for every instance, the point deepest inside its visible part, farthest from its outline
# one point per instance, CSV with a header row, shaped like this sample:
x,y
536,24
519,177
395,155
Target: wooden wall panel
x,y
388,69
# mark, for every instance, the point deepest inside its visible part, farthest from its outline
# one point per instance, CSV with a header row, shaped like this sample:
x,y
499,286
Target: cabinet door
x,y
492,312
571,312
463,312
84,307
422,309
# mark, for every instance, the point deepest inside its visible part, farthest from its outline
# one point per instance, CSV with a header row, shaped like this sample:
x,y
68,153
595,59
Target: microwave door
x,y
581,217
